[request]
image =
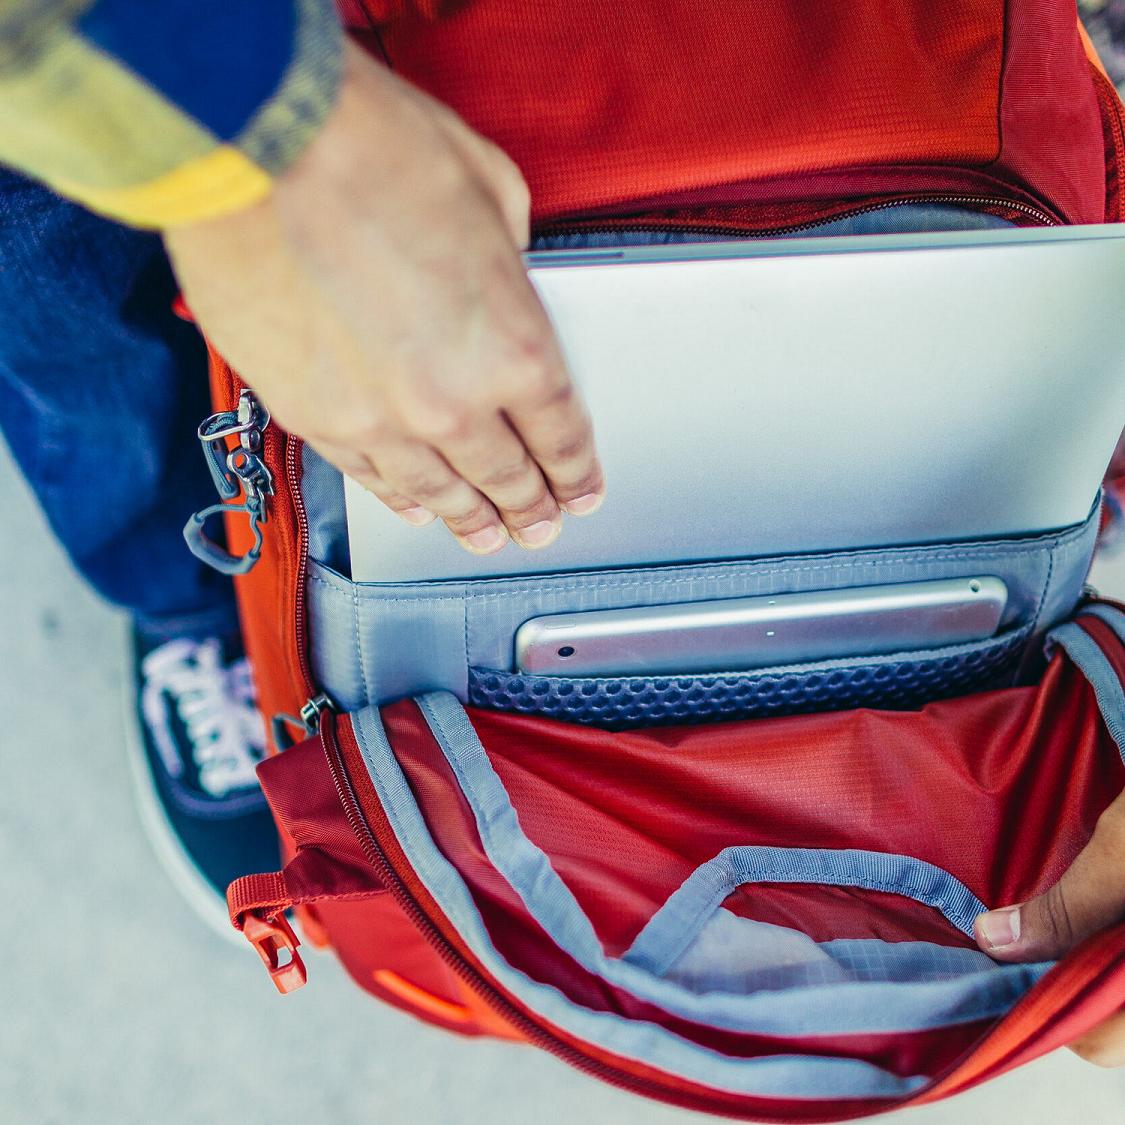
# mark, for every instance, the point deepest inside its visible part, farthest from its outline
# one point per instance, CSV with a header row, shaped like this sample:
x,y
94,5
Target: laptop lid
x,y
779,397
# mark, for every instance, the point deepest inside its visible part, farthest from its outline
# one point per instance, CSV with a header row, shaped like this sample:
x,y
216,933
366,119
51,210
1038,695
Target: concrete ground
x,y
117,1006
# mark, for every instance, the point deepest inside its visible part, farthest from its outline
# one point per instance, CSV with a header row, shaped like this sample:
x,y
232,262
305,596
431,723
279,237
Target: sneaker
x,y
199,740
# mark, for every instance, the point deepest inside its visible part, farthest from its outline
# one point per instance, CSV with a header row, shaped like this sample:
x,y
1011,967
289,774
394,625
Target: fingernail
x,y
488,540
418,516
1000,928
538,534
584,505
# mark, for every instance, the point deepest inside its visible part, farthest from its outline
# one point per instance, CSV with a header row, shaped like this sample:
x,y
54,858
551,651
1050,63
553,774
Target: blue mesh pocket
x,y
900,681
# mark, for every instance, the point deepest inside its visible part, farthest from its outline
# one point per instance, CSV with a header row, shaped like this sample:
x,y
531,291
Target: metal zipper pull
x,y
307,721
313,709
236,470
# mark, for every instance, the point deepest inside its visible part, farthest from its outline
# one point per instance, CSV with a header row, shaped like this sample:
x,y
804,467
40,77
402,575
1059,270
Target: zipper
x,y
976,201
292,471
535,1032
307,720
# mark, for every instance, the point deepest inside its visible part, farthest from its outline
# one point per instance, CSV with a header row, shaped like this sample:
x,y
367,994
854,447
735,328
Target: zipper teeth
x,y
292,450
765,232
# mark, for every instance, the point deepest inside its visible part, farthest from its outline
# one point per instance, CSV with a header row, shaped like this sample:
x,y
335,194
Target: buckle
x,y
270,938
234,471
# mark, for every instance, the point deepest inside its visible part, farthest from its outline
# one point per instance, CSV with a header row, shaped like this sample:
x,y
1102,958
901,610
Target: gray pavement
x,y
117,1006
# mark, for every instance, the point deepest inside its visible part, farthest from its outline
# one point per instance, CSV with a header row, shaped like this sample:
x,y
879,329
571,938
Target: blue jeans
x,y
101,389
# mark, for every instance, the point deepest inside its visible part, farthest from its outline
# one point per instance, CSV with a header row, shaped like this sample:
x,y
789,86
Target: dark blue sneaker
x,y
200,738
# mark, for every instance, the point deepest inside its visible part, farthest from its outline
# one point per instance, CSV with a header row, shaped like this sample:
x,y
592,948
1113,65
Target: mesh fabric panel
x,y
636,701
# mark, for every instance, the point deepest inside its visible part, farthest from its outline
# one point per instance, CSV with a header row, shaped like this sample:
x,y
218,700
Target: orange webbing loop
x,y
252,893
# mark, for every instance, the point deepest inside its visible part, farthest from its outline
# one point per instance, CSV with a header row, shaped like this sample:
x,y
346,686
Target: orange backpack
x,y
427,842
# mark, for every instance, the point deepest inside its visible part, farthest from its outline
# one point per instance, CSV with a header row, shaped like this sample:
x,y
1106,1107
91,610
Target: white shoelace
x,y
216,706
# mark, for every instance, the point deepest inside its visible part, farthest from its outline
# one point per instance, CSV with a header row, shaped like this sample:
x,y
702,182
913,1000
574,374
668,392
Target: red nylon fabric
x,y
360,943
368,937
657,1084
524,943
626,817
1087,989
1050,118
607,105
329,867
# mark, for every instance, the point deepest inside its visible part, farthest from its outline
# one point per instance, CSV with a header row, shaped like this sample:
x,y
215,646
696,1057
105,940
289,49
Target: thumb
x,y
1088,898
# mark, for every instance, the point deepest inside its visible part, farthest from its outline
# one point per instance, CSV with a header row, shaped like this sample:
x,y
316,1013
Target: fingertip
x,y
585,505
538,535
417,516
488,541
997,932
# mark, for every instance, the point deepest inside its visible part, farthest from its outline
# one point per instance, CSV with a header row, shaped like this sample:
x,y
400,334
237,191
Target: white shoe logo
x,y
215,705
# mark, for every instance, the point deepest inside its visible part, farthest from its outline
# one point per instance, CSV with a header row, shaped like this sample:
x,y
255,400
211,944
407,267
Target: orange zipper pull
x,y
270,937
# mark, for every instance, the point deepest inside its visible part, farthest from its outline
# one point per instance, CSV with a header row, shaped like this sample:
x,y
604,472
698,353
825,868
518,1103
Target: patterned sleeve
x,y
163,112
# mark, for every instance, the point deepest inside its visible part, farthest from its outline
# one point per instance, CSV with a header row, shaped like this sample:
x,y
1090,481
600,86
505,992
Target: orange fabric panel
x,y
268,595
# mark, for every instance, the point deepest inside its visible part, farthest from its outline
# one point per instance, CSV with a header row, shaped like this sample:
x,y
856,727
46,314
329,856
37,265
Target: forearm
x,y
163,112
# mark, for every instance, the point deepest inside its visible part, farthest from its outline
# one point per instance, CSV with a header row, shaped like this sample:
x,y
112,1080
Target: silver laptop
x,y
764,398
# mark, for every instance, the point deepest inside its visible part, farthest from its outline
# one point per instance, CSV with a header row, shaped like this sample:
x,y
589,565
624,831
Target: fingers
x,y
545,409
489,455
414,472
361,470
525,444
1088,898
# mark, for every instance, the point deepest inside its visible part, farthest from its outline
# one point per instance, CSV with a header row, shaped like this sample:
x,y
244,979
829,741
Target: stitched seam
x,y
756,876
1000,86
759,877
301,900
864,556
358,639
465,637
1046,589
656,580
675,575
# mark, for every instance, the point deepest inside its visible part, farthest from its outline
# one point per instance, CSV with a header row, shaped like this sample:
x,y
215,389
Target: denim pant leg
x,y
101,389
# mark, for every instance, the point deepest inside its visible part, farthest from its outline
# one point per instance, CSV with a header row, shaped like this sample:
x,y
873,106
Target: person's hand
x,y
1088,898
377,302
